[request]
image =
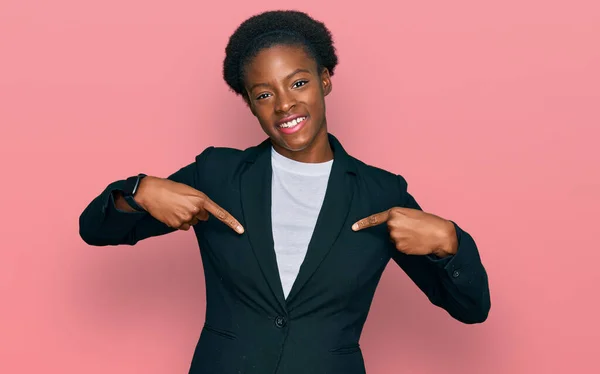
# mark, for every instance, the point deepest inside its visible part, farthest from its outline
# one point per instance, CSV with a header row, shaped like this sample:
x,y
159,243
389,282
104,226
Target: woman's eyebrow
x,y
287,77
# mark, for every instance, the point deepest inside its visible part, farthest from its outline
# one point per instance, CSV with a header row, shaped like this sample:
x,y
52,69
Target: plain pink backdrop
x,y
490,109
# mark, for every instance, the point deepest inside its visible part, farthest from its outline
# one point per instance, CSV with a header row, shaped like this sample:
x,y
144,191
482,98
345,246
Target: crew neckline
x,y
307,168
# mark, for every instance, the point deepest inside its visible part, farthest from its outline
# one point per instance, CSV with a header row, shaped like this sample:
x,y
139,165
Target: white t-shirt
x,y
298,190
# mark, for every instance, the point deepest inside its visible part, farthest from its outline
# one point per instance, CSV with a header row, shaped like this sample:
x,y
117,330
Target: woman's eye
x,y
300,84
262,96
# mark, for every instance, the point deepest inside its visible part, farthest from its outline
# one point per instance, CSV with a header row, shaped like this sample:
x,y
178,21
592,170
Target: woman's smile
x,y
290,126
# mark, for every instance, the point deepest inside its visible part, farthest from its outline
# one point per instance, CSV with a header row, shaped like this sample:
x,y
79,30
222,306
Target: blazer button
x,y
280,321
456,273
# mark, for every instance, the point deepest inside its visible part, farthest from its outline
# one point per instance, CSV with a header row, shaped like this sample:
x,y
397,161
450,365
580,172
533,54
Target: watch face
x,y
130,185
137,182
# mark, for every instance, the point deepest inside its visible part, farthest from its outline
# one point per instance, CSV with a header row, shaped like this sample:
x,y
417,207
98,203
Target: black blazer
x,y
249,326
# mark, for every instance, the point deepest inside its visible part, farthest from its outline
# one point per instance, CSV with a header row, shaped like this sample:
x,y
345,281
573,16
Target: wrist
x,y
130,189
140,195
449,242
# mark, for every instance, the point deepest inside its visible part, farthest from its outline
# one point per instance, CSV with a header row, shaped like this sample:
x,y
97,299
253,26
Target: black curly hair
x,y
278,27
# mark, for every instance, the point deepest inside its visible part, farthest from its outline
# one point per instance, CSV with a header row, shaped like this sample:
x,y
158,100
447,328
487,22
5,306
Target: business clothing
x,y
250,327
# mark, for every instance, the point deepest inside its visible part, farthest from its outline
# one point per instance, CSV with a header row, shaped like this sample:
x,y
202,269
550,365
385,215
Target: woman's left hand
x,y
415,232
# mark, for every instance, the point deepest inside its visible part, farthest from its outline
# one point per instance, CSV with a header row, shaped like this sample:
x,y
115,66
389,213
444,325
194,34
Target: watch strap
x,y
129,190
132,203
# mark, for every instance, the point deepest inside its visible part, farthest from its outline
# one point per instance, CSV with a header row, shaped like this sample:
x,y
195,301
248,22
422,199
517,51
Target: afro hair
x,y
279,27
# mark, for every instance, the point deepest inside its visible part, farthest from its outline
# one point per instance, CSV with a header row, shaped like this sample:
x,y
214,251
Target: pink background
x,y
490,109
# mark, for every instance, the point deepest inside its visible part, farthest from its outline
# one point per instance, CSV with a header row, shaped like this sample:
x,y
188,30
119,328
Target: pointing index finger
x,y
222,215
372,220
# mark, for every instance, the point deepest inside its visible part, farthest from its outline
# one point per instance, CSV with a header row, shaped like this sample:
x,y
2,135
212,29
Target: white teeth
x,y
293,122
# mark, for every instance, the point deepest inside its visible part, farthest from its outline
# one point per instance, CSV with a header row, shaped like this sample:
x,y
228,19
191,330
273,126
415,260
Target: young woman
x,y
294,233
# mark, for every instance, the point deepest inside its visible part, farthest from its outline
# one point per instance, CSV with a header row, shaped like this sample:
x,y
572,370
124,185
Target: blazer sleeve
x,y
102,224
457,283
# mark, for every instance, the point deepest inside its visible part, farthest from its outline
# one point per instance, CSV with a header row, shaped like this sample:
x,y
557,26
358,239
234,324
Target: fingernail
x,y
240,229
355,227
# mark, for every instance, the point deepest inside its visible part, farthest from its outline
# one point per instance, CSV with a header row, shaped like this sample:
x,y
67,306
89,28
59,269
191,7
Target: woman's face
x,y
286,93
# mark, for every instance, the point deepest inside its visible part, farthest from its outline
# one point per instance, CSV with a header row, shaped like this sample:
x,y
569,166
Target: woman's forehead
x,y
278,62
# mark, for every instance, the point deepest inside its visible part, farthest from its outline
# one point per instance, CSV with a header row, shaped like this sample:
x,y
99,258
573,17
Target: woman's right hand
x,y
178,205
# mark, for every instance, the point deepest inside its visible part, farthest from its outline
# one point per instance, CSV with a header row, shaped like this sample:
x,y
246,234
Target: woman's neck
x,y
319,150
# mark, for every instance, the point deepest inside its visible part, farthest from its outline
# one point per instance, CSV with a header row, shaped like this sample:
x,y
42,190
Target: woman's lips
x,y
292,126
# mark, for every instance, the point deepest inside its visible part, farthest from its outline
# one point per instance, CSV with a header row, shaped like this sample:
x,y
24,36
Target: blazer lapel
x,y
256,205
331,218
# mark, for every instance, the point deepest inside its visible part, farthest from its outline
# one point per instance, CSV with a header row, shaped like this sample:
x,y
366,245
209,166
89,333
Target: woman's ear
x,y
326,81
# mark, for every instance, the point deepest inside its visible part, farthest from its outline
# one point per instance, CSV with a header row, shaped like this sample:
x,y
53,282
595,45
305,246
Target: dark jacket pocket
x,y
219,332
345,349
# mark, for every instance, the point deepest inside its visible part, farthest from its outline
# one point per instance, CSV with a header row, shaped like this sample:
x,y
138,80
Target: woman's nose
x,y
285,102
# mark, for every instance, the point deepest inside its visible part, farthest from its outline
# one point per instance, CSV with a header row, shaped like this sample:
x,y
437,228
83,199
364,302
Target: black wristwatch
x,y
131,187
